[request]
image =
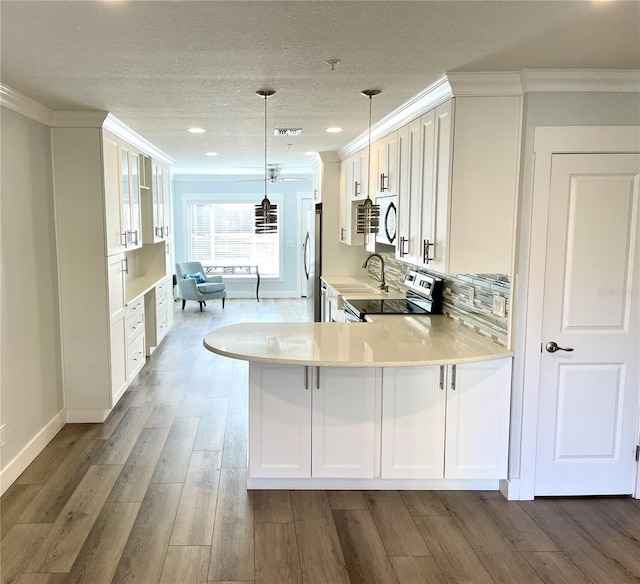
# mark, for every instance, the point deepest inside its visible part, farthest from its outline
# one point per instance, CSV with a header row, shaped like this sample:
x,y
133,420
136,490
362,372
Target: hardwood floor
x,y
157,494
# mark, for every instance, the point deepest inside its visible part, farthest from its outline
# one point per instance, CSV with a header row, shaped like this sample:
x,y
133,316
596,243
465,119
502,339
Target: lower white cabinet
x,y
447,422
311,422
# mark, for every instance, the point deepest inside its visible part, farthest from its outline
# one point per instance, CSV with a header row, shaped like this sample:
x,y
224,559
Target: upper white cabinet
x,y
386,159
455,172
156,203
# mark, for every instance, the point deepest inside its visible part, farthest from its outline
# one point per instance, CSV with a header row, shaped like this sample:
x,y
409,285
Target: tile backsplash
x,y
472,309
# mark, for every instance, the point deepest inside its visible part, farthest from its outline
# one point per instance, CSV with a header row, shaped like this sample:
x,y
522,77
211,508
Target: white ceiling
x,y
162,66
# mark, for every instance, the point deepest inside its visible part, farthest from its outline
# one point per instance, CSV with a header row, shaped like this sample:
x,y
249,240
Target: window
x,y
222,233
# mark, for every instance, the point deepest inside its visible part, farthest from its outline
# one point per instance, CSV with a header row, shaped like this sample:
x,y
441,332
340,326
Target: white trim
x,y
510,489
619,80
87,416
28,454
424,101
485,83
548,141
81,119
374,484
24,105
114,125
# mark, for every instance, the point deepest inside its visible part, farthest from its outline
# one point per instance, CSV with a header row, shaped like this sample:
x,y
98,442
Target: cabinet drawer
x,y
161,321
135,357
135,308
161,296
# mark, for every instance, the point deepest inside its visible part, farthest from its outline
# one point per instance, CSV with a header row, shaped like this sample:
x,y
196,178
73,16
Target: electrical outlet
x,y
3,440
499,305
472,295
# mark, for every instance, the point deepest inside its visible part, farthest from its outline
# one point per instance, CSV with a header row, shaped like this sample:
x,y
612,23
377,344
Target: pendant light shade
x,y
367,212
266,213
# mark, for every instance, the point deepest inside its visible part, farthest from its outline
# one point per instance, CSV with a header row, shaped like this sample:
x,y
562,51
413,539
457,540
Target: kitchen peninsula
x,y
415,402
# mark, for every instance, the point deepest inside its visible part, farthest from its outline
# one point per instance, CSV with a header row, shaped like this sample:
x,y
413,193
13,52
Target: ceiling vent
x,y
287,131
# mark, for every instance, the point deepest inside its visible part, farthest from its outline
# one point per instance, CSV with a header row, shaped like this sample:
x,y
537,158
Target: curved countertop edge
x,y
435,340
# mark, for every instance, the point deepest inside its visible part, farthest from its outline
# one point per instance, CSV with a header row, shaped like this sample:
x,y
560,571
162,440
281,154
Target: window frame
x,y
244,198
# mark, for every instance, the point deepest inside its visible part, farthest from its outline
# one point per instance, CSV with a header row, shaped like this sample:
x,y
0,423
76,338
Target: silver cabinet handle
x,y
384,182
453,377
404,242
426,244
125,265
552,347
442,377
306,377
356,188
166,230
342,233
135,242
317,377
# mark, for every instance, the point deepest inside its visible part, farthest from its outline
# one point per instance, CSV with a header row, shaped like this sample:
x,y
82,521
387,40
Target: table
x,y
236,270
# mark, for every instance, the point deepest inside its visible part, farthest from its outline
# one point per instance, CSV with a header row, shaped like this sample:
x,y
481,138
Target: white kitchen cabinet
x,y
342,426
347,204
279,421
474,181
156,226
413,422
311,422
157,307
478,406
410,194
98,272
447,422
386,160
116,269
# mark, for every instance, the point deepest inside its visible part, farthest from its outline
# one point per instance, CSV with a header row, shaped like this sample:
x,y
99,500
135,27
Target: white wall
x,y
31,397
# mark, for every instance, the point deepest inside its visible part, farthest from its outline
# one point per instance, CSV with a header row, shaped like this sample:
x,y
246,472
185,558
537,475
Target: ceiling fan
x,y
273,175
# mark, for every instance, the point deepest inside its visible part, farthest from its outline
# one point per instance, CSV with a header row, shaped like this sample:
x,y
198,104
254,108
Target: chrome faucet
x,y
383,284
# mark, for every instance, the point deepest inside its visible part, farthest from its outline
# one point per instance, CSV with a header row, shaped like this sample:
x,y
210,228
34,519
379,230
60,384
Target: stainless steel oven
x,y
423,297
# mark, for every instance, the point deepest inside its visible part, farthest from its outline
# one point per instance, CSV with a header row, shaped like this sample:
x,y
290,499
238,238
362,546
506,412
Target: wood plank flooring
x,y
157,494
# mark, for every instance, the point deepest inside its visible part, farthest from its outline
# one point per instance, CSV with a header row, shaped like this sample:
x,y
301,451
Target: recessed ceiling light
x,y
334,130
212,154
196,130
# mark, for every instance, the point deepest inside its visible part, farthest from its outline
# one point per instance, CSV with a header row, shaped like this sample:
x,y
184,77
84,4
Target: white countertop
x,y
387,341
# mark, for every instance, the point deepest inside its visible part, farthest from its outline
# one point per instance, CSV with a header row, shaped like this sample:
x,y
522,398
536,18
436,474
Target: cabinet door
x,y
409,192
344,234
413,422
478,406
115,236
136,217
116,268
279,421
343,432
442,186
422,251
387,165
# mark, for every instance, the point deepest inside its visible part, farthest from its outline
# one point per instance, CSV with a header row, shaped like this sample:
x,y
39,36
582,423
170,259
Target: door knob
x,y
552,347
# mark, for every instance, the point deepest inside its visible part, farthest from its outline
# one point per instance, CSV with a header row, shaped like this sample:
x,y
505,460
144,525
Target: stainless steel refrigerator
x,y
312,260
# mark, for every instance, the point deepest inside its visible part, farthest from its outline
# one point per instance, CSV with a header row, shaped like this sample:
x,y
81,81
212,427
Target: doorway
x,y
582,382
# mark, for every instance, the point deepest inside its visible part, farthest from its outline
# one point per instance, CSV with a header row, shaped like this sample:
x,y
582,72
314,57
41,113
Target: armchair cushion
x,y
211,287
198,277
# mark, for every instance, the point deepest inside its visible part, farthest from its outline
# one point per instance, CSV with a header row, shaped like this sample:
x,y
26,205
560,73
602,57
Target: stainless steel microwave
x,y
388,220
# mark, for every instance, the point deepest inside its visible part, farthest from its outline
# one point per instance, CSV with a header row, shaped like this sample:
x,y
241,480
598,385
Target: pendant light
x,y
367,213
266,213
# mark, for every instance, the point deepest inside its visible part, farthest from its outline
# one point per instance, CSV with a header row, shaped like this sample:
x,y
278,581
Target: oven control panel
x,y
423,284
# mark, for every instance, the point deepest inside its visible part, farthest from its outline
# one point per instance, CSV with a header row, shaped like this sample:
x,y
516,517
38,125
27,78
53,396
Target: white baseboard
x,y
510,488
374,484
88,416
27,455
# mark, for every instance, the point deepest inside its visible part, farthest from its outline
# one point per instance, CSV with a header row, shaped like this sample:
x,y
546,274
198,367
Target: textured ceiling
x,y
161,67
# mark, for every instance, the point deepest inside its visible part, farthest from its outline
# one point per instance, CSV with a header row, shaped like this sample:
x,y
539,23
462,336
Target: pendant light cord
x,y
265,146
369,149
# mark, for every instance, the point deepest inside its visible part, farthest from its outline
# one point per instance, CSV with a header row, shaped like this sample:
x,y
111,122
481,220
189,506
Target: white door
x,y
343,433
477,421
413,422
279,421
589,396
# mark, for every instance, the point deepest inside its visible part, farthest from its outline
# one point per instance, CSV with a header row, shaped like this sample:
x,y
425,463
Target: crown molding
x,y
21,104
123,131
611,80
427,99
493,83
78,119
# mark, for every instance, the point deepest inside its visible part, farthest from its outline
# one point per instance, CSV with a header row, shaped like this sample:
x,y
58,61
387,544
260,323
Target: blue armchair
x,y
193,284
